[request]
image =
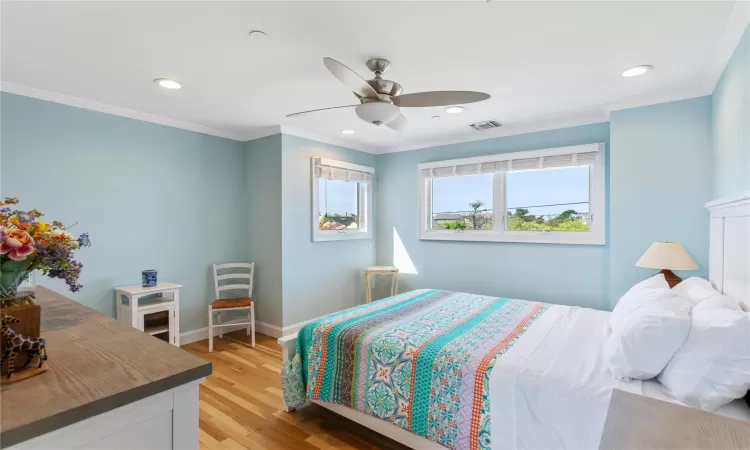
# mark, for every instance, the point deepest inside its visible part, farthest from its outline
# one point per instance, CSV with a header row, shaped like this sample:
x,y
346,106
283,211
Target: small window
x,y
341,200
338,202
549,196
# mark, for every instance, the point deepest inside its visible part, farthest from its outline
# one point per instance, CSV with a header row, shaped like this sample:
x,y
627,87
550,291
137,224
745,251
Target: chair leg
x,y
210,329
252,323
218,319
249,320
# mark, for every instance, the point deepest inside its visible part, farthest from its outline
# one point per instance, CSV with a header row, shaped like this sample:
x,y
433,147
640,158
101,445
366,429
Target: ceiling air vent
x,y
486,125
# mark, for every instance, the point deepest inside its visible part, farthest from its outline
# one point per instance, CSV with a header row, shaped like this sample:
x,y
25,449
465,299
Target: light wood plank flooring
x,y
241,404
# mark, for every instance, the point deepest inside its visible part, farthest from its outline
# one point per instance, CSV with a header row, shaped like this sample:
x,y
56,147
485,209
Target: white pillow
x,y
712,368
696,290
644,340
643,292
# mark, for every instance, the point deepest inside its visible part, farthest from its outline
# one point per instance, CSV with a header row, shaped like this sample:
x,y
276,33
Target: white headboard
x,y
729,256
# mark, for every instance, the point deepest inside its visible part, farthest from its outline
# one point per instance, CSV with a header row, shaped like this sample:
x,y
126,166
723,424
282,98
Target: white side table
x,y
381,270
132,309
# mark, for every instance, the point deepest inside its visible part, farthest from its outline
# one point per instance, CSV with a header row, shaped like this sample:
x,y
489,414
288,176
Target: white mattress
x,y
552,389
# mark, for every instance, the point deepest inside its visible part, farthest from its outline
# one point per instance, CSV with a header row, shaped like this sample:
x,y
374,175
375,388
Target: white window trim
x,y
597,200
365,198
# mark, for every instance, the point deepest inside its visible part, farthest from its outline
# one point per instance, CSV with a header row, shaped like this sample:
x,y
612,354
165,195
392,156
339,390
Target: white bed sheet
x,y
552,389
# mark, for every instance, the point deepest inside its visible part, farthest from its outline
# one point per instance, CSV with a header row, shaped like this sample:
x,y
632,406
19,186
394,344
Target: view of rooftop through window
x,y
338,202
462,202
549,199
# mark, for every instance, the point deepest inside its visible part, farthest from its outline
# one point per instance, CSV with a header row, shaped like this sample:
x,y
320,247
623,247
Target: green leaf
x,y
18,266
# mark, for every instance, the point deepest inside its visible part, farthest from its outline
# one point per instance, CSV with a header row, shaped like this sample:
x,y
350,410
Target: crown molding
x,y
510,130
656,99
40,94
299,132
262,132
735,28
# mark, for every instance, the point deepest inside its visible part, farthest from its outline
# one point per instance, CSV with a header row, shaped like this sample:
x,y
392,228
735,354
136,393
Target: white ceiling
x,y
546,64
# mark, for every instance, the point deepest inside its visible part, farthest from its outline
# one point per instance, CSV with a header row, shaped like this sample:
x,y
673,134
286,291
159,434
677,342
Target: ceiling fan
x,y
380,100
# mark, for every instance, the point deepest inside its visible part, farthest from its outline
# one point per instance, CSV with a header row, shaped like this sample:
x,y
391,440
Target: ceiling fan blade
x,y
302,113
400,123
350,78
438,98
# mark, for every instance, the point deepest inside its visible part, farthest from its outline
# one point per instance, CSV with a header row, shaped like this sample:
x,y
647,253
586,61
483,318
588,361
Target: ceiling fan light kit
x,y
381,100
377,113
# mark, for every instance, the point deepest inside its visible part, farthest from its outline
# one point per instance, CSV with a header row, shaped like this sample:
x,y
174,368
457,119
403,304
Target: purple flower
x,y
25,217
83,240
56,261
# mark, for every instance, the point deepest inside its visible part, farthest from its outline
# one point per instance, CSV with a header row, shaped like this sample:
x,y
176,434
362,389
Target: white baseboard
x,y
200,334
268,329
273,331
291,329
276,331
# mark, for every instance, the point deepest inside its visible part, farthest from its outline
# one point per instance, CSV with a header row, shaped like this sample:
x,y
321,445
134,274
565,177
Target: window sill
x,y
522,237
337,236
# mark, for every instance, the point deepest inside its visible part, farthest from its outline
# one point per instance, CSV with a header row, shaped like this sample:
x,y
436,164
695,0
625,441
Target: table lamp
x,y
667,256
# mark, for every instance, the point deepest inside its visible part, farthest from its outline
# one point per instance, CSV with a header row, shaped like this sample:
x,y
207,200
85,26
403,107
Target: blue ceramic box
x,y
148,278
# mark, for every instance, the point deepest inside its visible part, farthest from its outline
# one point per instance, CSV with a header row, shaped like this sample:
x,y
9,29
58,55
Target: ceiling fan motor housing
x,y
389,88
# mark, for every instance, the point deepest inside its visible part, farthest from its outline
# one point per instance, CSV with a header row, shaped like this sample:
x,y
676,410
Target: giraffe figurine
x,y
16,343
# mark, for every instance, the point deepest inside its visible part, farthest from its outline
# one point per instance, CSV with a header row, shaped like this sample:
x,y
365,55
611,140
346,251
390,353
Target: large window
x,y
553,196
341,200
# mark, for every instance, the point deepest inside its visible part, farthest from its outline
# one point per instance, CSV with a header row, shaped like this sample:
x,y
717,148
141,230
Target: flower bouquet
x,y
28,244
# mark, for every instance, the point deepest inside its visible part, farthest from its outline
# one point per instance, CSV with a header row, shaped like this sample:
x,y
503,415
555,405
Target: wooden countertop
x,y
96,364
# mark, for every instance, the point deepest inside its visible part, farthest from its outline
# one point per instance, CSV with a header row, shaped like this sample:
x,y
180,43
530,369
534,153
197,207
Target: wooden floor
x,y
241,404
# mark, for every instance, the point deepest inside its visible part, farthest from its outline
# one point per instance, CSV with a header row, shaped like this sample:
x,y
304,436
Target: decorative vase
x,y
11,292
148,278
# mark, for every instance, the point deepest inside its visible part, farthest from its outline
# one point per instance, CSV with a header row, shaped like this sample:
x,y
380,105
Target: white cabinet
x,y
137,304
165,421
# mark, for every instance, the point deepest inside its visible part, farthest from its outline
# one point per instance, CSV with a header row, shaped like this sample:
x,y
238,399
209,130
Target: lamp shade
x,y
667,255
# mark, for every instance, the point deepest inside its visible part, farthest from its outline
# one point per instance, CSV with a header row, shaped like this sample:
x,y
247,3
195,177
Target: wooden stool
x,y
381,270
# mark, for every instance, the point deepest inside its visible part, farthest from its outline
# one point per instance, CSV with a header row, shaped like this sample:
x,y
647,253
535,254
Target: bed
x,y
435,369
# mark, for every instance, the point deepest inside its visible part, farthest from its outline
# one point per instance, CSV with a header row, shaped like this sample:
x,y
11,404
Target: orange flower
x,y
18,244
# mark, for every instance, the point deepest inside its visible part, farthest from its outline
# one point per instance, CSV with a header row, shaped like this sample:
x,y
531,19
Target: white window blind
x,y
332,172
508,164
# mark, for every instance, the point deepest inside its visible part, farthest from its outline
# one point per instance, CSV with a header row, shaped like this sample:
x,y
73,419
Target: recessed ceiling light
x,y
435,117
455,109
347,131
166,83
635,71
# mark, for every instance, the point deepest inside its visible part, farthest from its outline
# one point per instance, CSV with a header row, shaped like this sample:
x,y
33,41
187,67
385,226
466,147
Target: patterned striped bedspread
x,y
420,360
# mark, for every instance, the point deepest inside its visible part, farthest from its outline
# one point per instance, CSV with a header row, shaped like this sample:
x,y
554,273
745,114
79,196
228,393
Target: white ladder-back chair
x,y
242,280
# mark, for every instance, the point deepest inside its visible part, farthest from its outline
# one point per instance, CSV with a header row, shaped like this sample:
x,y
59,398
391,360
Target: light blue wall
x,y
150,196
660,179
731,124
263,236
98,169
318,277
567,274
